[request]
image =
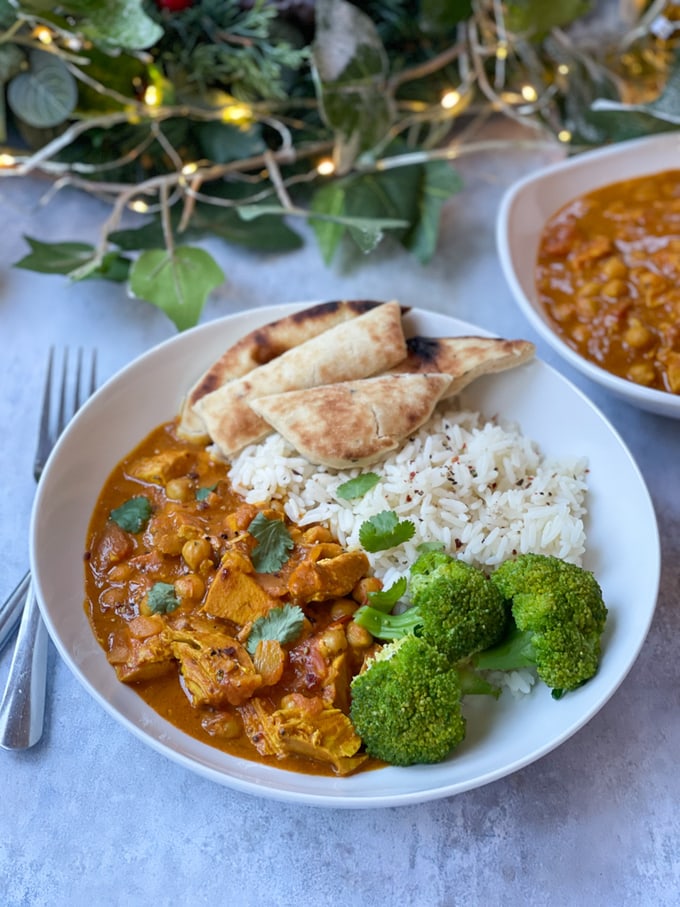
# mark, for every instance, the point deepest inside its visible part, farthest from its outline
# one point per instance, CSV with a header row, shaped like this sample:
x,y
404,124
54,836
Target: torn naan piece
x,y
261,346
373,342
463,358
353,423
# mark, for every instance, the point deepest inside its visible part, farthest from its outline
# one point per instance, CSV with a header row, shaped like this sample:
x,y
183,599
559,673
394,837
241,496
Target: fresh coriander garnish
x,y
203,493
283,624
424,547
385,530
357,487
386,599
133,515
161,598
273,544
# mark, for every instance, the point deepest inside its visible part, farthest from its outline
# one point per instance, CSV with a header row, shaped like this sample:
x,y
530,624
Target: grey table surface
x,y
93,816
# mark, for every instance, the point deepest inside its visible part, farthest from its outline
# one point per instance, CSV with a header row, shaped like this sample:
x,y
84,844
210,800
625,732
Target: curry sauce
x,y
608,276
174,594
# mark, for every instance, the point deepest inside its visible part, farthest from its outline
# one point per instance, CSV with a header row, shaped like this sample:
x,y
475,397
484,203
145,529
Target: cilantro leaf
x,y
133,515
385,530
202,493
430,546
386,599
284,624
161,598
273,544
357,487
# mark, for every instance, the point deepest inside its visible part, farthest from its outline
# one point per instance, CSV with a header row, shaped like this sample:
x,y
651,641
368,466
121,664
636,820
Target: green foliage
x,y
176,280
73,259
45,94
536,17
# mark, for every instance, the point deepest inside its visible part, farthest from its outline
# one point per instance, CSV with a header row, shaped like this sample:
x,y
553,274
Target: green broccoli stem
x,y
387,626
515,651
473,684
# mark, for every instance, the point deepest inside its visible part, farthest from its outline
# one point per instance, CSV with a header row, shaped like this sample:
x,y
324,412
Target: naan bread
x,y
353,423
370,343
463,358
261,346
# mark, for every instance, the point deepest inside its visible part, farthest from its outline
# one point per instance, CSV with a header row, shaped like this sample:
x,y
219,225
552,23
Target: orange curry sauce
x,y
284,704
608,275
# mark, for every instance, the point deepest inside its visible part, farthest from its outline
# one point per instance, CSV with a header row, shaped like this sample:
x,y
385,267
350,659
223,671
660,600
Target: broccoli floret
x,y
454,608
558,617
406,705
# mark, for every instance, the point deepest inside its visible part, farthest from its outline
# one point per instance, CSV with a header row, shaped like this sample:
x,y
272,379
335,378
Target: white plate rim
x,y
394,787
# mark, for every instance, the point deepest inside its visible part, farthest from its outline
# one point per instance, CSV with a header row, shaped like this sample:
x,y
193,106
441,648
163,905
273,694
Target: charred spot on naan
x,y
463,358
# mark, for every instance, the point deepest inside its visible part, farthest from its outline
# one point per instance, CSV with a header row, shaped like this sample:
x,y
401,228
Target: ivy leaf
x,y
283,624
177,282
273,543
385,530
118,23
46,94
357,487
12,59
439,17
438,182
350,68
538,17
72,259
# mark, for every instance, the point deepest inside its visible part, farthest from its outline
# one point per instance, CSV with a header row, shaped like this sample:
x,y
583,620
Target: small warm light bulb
x,y
502,52
450,99
7,160
564,135
43,34
529,93
563,69
190,168
139,206
152,96
236,114
325,167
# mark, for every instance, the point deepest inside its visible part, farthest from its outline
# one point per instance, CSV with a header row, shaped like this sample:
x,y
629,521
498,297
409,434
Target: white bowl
x,y
523,212
548,408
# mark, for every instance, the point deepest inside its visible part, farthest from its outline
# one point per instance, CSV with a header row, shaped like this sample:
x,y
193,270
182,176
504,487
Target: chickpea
x,y
364,586
189,587
195,551
343,607
586,306
358,637
638,336
119,573
642,373
110,598
590,288
333,641
615,288
180,489
614,267
562,312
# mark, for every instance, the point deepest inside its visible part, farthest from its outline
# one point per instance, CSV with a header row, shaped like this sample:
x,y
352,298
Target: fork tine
x,y
62,416
44,428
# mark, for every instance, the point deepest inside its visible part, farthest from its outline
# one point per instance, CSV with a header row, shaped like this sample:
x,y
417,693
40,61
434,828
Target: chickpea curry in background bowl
x,y
591,250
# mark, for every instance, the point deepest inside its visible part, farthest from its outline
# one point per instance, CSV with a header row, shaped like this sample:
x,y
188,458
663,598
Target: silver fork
x,y
22,709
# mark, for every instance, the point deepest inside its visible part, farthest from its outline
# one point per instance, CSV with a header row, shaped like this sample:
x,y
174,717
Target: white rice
x,y
481,488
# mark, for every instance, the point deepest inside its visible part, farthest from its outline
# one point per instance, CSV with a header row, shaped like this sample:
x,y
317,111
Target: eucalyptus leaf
x,y
350,68
46,94
178,282
625,121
